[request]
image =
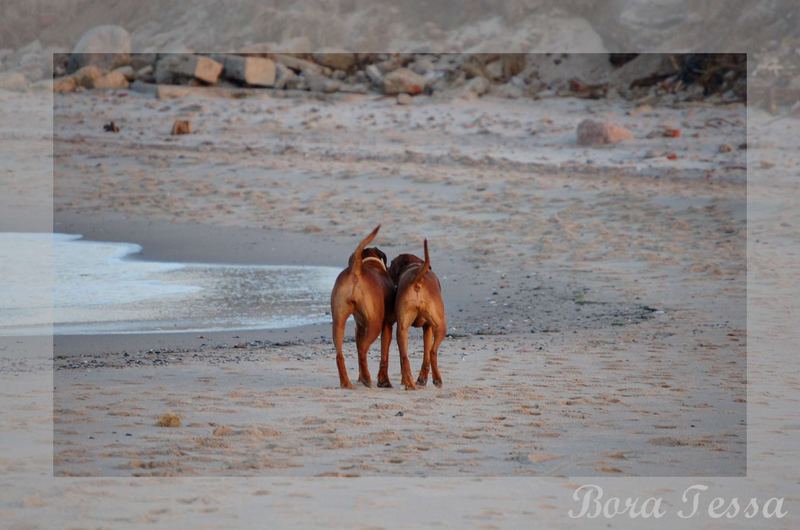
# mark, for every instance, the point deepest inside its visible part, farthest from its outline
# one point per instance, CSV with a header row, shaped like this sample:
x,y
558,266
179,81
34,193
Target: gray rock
x,y
374,75
284,76
105,46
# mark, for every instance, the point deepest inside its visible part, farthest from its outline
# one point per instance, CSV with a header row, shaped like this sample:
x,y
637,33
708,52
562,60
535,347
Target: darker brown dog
x,y
418,303
364,290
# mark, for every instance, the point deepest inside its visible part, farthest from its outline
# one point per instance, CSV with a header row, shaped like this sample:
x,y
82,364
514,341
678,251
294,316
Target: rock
x,y
66,84
255,71
592,133
404,99
141,60
297,64
494,70
320,83
87,75
403,80
127,71
374,75
111,127
113,79
422,65
508,90
645,66
336,59
513,64
13,81
146,73
478,86
104,46
284,76
181,127
725,148
179,67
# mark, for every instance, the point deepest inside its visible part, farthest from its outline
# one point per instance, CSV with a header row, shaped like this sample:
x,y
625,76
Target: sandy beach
x,y
628,269
595,296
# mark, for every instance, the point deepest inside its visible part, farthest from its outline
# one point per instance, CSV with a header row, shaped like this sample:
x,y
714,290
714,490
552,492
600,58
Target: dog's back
x,y
418,303
364,290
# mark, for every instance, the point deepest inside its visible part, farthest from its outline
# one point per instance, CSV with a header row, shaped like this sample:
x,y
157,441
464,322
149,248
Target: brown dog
x,y
364,290
418,303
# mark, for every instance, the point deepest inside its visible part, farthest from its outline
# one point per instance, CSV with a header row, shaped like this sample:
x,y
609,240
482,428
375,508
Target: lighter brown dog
x,y
418,303
364,290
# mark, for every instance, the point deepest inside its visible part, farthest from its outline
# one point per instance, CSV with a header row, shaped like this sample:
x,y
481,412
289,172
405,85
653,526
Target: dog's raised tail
x,y
426,266
360,248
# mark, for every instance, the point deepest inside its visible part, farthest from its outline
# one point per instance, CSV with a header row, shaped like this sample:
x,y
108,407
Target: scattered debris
x,y
111,127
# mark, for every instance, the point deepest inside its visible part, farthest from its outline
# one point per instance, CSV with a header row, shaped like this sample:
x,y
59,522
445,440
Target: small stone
x,y
403,80
111,127
374,75
127,71
404,99
87,76
336,59
182,127
725,148
593,133
111,80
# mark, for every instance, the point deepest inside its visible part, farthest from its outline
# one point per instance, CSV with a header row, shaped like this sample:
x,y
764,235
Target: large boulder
x,y
403,81
105,46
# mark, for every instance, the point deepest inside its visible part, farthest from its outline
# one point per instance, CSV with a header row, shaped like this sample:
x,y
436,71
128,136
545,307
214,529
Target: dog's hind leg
x,y
383,371
365,336
438,337
405,365
340,313
427,343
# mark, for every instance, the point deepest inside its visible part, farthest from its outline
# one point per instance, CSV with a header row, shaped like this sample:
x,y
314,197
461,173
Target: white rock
x,y
105,46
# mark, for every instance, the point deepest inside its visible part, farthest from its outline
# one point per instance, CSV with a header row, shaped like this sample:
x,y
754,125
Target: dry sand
x,y
625,391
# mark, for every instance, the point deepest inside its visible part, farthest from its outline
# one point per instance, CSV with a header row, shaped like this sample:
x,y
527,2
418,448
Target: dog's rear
x,y
418,303
365,291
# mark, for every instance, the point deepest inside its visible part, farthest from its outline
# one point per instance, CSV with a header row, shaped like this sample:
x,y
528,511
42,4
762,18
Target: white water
x,y
61,284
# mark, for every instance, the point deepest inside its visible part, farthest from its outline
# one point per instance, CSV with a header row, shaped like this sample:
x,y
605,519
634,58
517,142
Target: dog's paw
x,y
422,381
384,383
366,382
438,383
410,386
348,385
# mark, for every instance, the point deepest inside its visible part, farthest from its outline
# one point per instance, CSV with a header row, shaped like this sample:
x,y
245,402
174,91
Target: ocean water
x,y
62,284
